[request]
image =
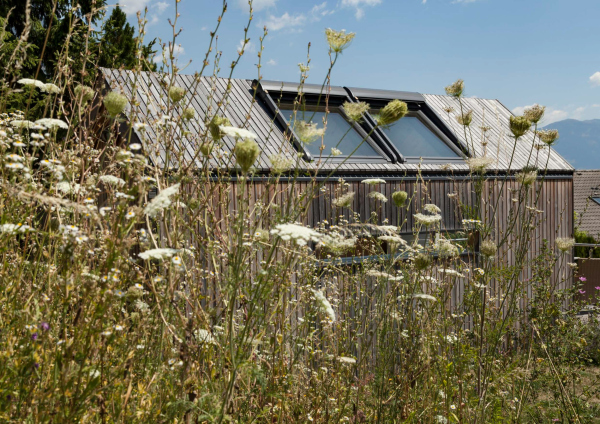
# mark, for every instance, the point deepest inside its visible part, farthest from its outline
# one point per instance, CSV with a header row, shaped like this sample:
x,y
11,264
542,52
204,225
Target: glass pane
x,y
596,199
413,139
336,135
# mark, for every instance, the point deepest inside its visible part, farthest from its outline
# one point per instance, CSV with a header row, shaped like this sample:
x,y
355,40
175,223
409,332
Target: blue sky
x,y
520,52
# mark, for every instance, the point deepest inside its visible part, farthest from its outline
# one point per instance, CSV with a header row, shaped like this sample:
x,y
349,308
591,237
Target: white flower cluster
x,y
112,180
431,208
237,133
324,305
300,234
427,219
158,253
161,201
373,181
14,228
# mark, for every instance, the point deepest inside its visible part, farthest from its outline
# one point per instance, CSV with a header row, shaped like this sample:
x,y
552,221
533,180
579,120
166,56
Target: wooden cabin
x,y
423,154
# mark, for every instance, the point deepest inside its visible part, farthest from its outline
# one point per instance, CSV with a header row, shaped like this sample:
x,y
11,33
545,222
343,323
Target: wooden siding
x,y
554,220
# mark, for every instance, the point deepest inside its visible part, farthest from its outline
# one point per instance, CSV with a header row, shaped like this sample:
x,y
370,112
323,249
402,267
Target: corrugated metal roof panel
x,y
235,99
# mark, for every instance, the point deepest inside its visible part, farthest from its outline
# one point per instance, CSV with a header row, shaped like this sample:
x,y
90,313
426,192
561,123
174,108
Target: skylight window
x,y
413,138
596,199
339,134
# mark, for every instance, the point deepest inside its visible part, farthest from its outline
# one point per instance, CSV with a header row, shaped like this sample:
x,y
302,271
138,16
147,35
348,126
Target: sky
x,y
521,52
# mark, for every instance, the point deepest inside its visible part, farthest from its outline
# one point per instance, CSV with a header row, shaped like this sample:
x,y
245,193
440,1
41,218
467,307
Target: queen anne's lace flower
x,y
204,337
112,180
338,40
431,208
373,181
378,196
52,123
238,133
337,243
424,297
34,82
324,305
161,201
158,253
479,164
345,200
300,234
564,243
308,132
427,219
346,360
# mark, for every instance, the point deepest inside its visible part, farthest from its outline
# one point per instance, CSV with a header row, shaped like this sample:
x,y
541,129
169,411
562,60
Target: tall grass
x,y
133,290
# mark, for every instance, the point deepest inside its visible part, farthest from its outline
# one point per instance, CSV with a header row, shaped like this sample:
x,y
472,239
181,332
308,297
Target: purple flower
x,y
34,336
582,279
36,365
582,291
45,326
597,287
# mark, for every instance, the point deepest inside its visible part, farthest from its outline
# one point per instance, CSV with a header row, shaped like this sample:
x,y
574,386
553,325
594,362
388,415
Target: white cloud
x,y
464,1
595,79
203,28
293,23
596,105
131,7
552,115
177,51
272,62
250,47
358,6
256,4
286,21
161,6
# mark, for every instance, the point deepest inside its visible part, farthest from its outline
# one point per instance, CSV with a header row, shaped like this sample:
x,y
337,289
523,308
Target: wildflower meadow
x,y
188,290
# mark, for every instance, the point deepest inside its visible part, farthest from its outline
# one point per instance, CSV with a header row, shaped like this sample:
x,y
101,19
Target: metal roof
x,y
236,100
586,184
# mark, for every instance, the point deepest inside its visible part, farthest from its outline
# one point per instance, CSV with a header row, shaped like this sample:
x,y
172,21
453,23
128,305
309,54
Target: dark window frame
x,y
288,93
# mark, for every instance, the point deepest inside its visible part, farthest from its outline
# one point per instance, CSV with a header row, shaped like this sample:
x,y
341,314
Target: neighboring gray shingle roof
x,y
201,94
585,185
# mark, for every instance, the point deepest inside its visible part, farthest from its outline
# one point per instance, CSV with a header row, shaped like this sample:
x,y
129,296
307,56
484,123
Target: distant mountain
x,y
579,142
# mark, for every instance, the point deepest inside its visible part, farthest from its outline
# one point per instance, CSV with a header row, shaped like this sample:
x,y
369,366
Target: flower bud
x,y
176,93
214,124
519,125
246,153
206,148
399,198
465,119
392,112
115,103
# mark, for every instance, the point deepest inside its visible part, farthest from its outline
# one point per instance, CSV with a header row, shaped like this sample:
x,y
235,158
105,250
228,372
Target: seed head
x,y
399,198
456,89
280,163
564,243
465,119
176,93
214,125
422,261
488,248
519,125
338,40
188,113
527,177
84,93
355,111
534,113
115,103
246,153
548,136
392,112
